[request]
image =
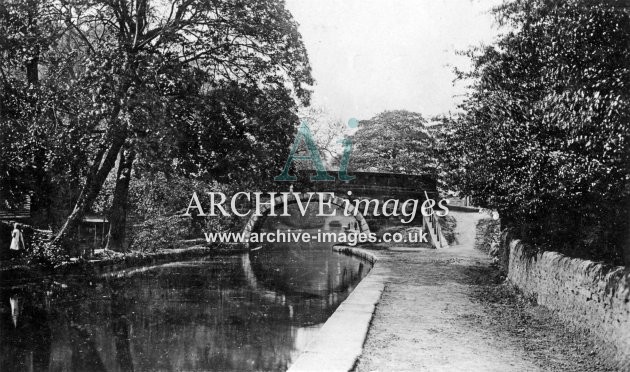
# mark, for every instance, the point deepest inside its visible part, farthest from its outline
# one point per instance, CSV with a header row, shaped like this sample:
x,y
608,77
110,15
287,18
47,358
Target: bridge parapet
x,y
366,185
376,185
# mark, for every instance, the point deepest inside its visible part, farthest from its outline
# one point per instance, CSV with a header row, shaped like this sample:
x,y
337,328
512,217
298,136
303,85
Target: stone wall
x,y
585,293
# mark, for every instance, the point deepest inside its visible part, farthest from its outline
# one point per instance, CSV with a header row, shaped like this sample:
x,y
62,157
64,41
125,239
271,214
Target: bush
x,y
159,233
544,137
488,236
448,225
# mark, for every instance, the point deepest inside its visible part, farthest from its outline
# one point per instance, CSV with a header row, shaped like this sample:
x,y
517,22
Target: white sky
x,y
371,55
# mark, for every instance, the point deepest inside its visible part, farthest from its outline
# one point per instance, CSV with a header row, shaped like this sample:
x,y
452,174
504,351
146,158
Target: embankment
x,y
590,295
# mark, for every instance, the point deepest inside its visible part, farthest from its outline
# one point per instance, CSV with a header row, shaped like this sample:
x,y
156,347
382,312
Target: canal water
x,y
254,311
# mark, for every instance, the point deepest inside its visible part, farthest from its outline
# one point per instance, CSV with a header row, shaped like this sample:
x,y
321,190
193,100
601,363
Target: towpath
x,y
433,316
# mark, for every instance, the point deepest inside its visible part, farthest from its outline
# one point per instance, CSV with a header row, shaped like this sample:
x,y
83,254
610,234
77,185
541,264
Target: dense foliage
x,y
544,135
395,142
91,89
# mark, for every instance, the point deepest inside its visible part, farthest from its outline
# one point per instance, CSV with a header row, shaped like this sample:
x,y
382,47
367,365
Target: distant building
x,y
21,213
92,231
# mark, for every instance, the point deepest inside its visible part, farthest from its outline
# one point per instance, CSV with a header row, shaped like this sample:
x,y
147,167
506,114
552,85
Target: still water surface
x,y
255,311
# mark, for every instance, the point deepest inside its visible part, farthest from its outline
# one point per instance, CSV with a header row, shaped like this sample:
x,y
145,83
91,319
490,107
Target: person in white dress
x,y
17,241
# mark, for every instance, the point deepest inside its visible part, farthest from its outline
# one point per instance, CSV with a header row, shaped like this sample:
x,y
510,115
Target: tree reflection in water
x,y
25,336
195,315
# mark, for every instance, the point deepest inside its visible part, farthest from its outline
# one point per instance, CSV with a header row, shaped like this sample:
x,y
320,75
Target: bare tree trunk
x,y
118,213
32,73
32,64
104,162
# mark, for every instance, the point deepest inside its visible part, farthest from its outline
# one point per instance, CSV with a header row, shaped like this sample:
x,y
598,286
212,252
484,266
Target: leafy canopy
x,y
82,81
395,142
545,133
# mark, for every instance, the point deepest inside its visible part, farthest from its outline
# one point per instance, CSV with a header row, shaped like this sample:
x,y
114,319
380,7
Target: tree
x,y
327,131
393,141
545,132
124,74
38,152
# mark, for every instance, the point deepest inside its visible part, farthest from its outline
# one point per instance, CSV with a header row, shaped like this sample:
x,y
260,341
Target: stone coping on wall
x,y
588,294
339,342
103,266
107,265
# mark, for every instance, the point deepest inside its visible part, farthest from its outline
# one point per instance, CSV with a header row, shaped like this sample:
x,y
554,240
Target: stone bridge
x,y
377,185
366,185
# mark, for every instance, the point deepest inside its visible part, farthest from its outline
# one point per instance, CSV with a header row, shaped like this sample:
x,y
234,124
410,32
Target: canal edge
x,y
339,343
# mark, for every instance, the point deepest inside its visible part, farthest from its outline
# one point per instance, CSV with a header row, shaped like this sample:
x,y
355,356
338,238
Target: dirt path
x,y
430,317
